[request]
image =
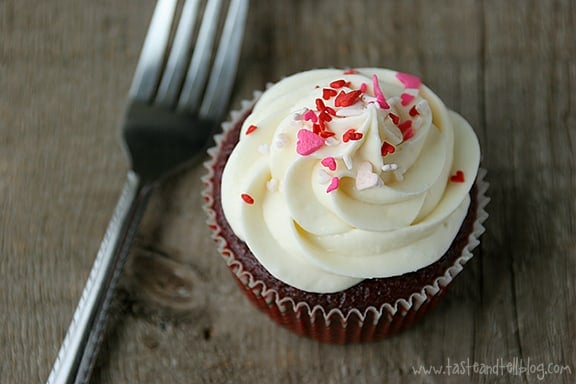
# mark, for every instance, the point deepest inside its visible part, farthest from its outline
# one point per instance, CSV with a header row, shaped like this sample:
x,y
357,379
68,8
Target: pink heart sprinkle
x,y
334,183
379,94
309,115
329,162
406,99
365,178
308,142
409,81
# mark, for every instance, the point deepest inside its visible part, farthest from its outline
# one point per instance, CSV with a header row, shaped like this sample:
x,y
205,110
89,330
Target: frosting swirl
x,y
341,176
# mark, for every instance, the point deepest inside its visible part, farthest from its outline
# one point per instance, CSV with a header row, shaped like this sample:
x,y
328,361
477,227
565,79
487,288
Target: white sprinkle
x,y
399,173
324,177
417,122
272,185
390,167
281,140
263,148
347,161
423,108
331,141
412,91
369,99
393,133
298,116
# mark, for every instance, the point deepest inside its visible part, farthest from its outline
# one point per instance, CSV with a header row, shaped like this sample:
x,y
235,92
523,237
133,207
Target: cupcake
x,y
344,202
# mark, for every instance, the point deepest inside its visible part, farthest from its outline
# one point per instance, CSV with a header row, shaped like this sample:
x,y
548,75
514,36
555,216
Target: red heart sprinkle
x,y
330,111
407,134
325,116
405,125
395,118
247,198
351,134
326,134
458,177
339,83
387,148
251,129
347,99
327,93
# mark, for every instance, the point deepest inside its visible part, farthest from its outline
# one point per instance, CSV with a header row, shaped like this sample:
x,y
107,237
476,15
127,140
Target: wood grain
x,y
65,68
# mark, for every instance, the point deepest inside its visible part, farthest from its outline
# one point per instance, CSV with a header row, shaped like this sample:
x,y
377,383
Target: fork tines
x,y
178,67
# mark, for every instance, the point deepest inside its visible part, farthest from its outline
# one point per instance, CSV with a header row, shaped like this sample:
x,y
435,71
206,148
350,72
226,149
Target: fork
x,y
175,104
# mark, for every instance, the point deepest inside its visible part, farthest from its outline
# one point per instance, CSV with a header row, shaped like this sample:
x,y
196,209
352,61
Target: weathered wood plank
x,y
508,67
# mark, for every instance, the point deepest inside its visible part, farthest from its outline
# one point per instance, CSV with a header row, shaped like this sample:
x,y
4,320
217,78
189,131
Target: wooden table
x,y
65,69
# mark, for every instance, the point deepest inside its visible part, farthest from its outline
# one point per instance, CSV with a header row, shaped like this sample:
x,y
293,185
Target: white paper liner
x,y
271,297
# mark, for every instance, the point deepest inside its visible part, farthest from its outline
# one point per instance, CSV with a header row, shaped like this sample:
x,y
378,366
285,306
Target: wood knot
x,y
156,281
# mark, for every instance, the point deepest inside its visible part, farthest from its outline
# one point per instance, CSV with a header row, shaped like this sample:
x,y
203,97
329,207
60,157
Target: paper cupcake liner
x,y
335,326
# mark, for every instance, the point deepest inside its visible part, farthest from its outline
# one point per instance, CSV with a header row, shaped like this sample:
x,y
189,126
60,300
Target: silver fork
x,y
175,102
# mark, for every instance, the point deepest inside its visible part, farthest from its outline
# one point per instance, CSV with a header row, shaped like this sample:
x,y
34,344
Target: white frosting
x,y
331,209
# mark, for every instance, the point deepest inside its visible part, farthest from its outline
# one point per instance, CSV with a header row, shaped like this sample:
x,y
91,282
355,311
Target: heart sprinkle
x,y
406,129
379,94
395,118
329,162
412,84
339,83
251,129
334,184
247,198
328,93
406,99
347,99
387,148
365,178
409,81
309,115
458,177
351,134
308,142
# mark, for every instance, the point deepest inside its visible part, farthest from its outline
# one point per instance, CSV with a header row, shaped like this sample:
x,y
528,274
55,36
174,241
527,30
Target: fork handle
x,y
79,349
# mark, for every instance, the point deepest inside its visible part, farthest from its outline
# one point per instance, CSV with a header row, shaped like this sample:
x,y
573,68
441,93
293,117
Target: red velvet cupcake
x,y
345,202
